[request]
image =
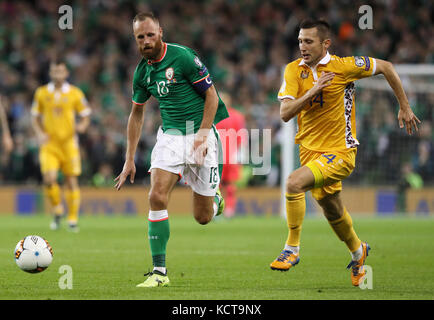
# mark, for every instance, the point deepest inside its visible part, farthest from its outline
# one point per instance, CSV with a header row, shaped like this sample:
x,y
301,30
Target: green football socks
x,y
158,234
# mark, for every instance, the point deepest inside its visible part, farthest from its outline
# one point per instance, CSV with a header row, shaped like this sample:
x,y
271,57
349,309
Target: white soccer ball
x,y
33,254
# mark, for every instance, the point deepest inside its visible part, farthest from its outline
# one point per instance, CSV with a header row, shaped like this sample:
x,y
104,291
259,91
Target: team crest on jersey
x,y
304,74
359,61
170,73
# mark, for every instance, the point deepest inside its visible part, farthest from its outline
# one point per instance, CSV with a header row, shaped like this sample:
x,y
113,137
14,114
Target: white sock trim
x,y
295,250
357,255
215,207
161,269
155,216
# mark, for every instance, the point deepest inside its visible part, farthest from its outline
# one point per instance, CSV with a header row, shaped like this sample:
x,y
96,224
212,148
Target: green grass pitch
x,y
227,259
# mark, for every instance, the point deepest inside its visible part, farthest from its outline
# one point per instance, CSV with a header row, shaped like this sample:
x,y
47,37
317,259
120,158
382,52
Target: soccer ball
x,y
33,254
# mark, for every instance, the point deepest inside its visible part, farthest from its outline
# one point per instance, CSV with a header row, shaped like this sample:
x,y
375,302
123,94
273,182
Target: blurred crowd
x,y
245,44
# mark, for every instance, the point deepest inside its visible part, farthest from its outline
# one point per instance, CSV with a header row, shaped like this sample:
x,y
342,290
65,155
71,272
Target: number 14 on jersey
x,y
317,99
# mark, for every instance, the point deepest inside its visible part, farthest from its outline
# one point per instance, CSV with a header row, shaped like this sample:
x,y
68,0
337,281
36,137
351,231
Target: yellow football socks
x,y
295,211
73,201
53,194
343,227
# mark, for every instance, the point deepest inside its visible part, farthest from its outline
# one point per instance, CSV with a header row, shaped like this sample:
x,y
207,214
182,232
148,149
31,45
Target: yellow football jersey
x,y
327,122
58,109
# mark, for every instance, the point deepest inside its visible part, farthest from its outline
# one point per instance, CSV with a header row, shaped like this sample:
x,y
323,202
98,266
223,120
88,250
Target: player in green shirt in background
x,y
187,144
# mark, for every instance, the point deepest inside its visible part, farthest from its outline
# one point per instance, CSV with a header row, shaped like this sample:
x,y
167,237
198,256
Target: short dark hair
x,y
321,25
142,16
58,60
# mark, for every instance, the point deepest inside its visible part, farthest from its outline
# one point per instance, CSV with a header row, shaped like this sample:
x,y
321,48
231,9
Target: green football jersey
x,y
178,81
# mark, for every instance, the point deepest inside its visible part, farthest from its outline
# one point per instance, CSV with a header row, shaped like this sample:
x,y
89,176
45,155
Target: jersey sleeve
x,y
289,87
196,72
356,67
82,105
140,93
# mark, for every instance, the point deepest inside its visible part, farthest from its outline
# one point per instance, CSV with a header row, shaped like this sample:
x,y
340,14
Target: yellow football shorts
x,y
64,156
329,169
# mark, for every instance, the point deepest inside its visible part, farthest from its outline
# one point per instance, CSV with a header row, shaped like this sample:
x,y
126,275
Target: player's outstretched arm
x,y
405,114
289,108
134,129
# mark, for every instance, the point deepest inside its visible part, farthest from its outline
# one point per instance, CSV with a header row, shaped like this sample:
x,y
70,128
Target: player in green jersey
x,y
188,144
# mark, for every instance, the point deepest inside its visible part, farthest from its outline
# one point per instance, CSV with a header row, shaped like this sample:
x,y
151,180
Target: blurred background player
x,y
409,180
55,106
233,138
318,88
7,142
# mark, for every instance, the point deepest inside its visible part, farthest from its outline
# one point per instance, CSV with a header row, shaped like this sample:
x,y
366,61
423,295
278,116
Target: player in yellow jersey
x,y
54,110
319,89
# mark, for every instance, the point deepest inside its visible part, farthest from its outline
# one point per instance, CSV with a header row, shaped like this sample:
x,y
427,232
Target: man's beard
x,y
153,53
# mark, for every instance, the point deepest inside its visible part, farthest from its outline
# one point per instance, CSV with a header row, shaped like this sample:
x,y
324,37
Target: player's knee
x,y
158,200
47,184
203,219
48,181
72,182
294,185
203,215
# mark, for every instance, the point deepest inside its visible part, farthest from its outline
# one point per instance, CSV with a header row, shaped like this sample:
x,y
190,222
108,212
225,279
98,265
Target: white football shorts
x,y
174,153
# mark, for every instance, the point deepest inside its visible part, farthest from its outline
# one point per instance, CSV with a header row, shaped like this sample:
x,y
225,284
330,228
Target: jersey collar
x,y
65,87
162,57
324,60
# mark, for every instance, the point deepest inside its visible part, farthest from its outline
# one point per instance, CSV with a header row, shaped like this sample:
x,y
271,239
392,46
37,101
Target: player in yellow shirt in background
x,y
318,88
54,110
